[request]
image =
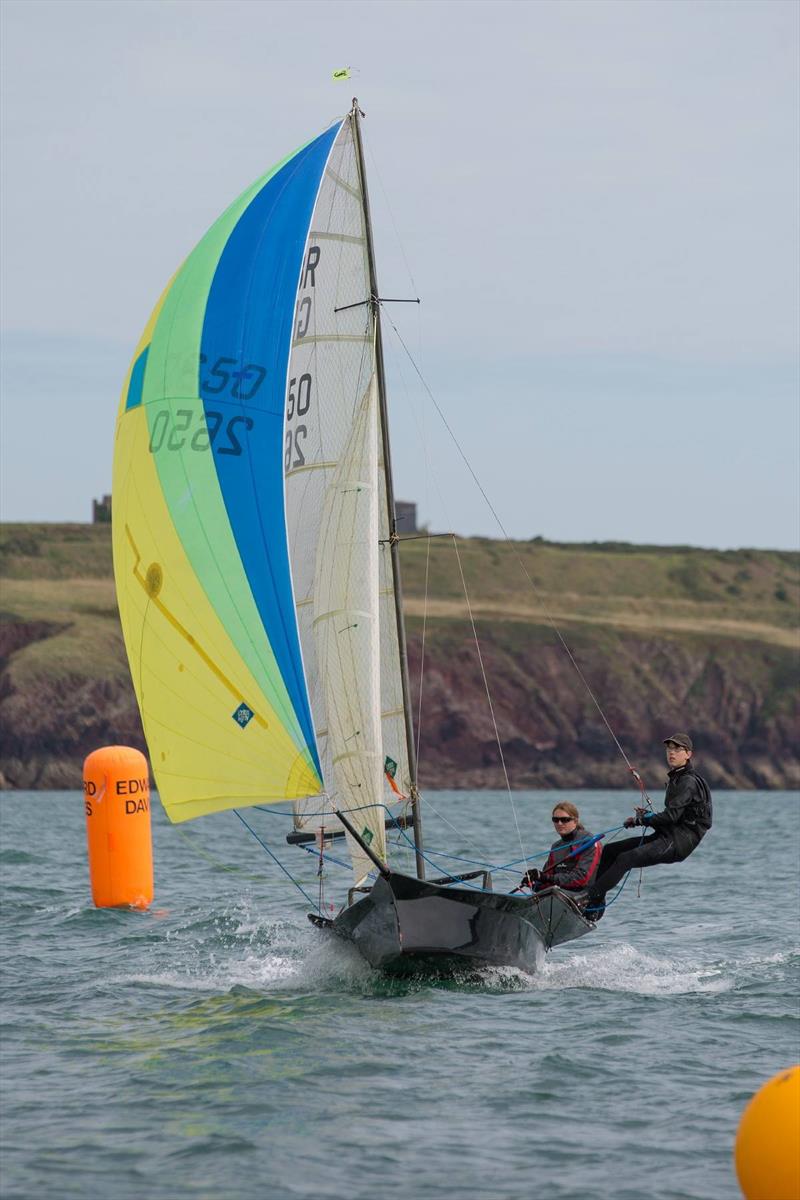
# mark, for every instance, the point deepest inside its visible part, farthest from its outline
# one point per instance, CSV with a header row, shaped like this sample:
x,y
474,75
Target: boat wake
x,y
623,968
238,949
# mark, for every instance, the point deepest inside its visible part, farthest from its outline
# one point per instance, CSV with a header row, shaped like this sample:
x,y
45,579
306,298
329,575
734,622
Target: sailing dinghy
x,y
257,567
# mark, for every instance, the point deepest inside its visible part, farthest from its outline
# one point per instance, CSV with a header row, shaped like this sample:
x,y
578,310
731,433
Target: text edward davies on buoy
x,y
116,788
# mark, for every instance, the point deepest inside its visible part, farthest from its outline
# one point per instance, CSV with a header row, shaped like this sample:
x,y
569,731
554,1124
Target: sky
x,y
597,204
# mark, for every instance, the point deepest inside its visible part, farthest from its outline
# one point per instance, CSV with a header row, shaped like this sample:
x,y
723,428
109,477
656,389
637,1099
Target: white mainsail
x,y
347,634
331,378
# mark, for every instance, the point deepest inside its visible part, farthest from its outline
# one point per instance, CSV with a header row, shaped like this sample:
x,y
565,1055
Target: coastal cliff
x,y
665,637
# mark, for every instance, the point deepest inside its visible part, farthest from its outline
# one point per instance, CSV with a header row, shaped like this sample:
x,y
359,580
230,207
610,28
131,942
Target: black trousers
x,y
619,857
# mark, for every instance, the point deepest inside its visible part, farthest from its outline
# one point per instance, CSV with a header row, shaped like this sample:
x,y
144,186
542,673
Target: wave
x,y
238,948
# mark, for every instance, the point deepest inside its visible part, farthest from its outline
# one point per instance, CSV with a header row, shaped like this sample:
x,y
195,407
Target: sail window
x,y
136,384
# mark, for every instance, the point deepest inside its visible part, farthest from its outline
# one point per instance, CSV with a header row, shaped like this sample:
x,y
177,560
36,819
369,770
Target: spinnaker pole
x,y
416,816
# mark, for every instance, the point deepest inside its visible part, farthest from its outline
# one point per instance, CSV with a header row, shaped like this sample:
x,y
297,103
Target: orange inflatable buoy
x,y
768,1142
116,793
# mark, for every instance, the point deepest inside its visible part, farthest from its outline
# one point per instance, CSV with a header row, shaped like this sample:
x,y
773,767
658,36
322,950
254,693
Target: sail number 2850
x,y
298,402
185,429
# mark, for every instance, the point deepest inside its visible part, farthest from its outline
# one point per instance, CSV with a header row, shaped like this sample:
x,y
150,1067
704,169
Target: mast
x,y
387,462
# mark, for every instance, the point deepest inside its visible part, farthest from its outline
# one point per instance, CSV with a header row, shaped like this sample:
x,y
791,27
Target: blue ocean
x,y
217,1047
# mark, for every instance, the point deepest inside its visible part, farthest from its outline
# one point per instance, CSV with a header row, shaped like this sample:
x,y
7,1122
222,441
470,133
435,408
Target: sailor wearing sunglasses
x,y
573,858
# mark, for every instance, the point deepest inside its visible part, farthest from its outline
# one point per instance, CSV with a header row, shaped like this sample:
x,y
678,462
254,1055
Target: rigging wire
x,y
426,855
378,176
430,475
274,858
231,868
521,563
507,867
422,648
489,698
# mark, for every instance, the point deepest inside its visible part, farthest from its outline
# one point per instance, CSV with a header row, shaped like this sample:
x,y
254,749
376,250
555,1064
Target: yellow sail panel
x,y
215,741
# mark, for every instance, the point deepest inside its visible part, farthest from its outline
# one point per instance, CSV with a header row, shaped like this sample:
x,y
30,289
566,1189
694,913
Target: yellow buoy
x,y
768,1141
116,792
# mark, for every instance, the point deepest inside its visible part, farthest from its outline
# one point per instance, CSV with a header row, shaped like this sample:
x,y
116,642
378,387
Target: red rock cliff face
x,y
50,721
738,699
732,696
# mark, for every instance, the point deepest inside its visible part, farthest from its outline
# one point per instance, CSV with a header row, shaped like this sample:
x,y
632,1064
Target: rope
x,y
519,559
216,862
281,812
461,882
488,696
617,893
422,652
467,838
276,860
616,896
436,866
495,868
475,862
374,167
329,858
583,844
507,867
327,812
430,476
608,903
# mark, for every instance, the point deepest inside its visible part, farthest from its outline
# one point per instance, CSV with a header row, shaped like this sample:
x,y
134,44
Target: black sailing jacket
x,y
572,863
686,817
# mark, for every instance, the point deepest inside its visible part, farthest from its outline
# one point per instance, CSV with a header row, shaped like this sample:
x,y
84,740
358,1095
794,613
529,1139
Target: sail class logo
x,y
243,714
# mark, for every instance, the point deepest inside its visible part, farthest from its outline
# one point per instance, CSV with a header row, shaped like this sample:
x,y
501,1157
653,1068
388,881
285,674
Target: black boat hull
x,y
405,925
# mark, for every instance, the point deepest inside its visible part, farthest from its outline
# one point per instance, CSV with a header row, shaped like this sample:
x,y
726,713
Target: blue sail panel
x,y
246,339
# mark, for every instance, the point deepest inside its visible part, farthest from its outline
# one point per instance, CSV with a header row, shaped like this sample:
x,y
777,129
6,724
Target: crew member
x,y
573,858
677,829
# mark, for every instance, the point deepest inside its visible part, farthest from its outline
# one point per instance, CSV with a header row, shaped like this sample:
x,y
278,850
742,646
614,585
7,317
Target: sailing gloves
x,y
529,878
642,818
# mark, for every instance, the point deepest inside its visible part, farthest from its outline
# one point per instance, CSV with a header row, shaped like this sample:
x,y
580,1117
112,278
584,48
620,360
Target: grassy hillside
x,y
59,577
666,635
752,594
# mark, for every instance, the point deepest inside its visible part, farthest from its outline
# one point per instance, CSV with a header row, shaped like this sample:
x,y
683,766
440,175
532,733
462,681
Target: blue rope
x,y
619,889
485,891
618,892
608,903
264,845
506,867
437,867
328,857
582,845
281,812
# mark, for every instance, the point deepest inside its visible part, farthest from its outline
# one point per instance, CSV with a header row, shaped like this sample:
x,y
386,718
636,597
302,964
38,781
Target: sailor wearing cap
x,y
677,829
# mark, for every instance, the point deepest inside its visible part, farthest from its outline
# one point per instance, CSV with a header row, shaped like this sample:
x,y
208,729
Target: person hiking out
x,y
573,858
676,831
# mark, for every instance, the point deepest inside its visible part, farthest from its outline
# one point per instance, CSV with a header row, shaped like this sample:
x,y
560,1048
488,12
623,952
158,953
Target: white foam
x,y
240,948
622,968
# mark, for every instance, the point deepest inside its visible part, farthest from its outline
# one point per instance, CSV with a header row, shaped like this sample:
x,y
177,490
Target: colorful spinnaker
x,y
251,514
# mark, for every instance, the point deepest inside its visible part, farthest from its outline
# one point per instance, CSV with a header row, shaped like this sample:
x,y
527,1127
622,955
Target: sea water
x,y
219,1047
